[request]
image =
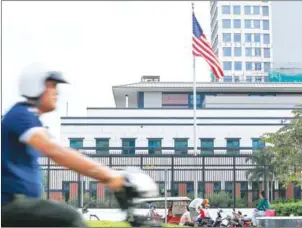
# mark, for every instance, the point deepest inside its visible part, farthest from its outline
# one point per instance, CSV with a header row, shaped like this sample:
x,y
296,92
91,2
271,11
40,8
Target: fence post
x,y
203,177
111,195
48,178
234,179
264,178
172,175
79,191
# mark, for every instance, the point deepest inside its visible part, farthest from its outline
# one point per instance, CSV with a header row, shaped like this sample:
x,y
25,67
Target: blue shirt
x,y
21,173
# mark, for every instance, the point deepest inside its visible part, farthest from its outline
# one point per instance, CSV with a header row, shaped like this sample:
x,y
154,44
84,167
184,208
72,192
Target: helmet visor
x,y
56,76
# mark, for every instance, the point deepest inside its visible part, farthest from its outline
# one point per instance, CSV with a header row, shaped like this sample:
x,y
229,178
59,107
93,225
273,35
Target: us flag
x,y
202,48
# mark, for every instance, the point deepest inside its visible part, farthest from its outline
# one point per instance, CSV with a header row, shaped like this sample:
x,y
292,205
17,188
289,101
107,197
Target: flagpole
x,y
194,118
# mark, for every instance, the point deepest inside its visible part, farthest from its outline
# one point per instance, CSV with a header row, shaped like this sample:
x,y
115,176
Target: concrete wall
x,y
170,124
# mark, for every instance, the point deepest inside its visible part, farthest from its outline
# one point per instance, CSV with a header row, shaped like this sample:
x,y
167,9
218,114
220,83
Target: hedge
x,y
287,209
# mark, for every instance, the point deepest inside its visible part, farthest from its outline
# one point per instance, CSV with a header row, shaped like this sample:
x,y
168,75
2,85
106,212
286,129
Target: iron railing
x,y
223,178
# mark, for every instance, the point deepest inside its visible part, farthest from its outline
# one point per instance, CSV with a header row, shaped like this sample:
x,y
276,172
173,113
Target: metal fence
x,y
225,179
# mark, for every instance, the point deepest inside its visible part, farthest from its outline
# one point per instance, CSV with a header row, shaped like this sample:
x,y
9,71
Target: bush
x,y
286,209
224,200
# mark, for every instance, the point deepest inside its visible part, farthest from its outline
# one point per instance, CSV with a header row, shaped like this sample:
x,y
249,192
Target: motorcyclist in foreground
x,y
24,139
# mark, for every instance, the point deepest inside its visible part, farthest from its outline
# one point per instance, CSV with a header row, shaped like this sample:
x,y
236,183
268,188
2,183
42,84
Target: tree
x,y
285,148
263,165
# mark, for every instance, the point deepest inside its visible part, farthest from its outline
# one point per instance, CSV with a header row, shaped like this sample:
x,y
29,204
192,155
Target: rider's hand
x,y
136,185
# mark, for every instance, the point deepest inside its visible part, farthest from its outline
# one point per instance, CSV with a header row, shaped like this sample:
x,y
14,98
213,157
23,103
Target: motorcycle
x,y
219,220
240,220
245,221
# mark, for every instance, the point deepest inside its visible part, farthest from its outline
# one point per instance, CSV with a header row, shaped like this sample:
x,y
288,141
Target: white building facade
x,y
242,38
152,128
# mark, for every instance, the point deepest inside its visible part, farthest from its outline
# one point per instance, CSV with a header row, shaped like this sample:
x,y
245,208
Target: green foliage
x,y
282,200
90,202
285,150
224,200
286,209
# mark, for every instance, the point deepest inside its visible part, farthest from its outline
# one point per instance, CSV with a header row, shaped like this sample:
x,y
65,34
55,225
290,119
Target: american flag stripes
x,y
202,48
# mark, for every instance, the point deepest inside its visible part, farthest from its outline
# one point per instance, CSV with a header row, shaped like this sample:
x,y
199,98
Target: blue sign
x,y
281,77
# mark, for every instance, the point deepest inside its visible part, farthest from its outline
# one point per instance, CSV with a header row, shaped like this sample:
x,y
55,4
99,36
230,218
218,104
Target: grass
x,y
116,224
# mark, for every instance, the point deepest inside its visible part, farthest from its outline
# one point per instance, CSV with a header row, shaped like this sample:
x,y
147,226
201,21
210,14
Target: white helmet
x,y
33,77
145,186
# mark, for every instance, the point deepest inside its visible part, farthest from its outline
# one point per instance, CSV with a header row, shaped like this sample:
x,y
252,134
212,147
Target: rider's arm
x,y
31,132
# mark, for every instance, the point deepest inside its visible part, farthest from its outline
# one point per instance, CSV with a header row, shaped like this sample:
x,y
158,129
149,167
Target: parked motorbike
x,y
240,220
218,221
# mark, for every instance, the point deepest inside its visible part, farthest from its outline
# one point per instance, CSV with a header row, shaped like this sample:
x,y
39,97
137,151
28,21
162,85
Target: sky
x,y
97,45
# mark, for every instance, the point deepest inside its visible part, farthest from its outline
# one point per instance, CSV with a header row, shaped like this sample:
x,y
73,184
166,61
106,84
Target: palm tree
x,y
263,165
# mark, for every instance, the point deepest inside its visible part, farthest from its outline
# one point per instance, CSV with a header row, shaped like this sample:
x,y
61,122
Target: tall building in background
x,y
241,36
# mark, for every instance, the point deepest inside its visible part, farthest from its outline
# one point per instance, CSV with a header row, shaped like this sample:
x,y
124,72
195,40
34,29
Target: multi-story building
x,y
152,126
241,35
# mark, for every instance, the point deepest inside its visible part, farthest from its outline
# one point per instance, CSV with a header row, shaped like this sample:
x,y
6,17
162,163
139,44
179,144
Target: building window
x,y
161,187
237,23
248,37
267,52
237,51
258,79
76,142
226,10
227,51
66,191
255,190
236,10
154,145
266,39
265,11
201,190
244,191
238,65
227,79
128,146
258,52
226,37
258,66
247,10
93,190
181,146
256,10
233,146
249,78
217,187
248,52
257,24
102,143
237,37
265,24
170,100
257,144
257,38
249,66
198,100
209,143
236,79
267,67
229,187
227,65
226,23
248,23
140,100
